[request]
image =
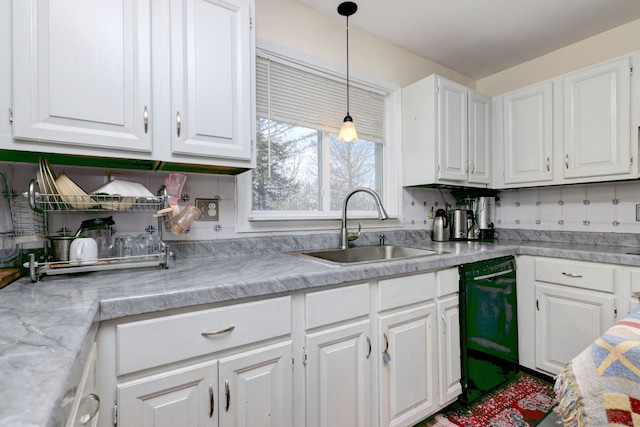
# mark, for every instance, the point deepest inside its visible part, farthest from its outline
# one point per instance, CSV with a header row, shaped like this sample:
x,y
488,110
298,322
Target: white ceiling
x,y
478,38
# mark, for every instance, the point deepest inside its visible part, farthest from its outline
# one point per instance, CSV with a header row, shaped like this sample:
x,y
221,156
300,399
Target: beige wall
x,y
607,45
298,27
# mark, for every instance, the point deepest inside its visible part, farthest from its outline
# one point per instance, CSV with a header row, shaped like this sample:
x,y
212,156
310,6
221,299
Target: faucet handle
x,y
353,236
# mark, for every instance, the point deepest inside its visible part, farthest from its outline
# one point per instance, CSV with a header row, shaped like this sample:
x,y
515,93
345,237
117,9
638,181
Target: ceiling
x,y
477,38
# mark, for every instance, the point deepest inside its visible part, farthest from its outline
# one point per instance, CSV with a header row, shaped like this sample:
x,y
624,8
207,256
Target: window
x,y
302,170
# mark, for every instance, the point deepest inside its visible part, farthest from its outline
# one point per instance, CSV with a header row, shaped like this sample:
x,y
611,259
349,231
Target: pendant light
x,y
348,129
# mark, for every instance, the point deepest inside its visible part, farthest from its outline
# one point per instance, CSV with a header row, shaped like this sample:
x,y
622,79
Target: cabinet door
x,y
86,405
452,131
82,73
256,388
630,288
479,144
408,375
597,114
567,321
339,377
212,57
182,397
528,135
449,363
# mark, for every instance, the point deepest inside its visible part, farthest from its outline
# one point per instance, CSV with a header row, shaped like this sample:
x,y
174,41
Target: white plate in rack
x,y
72,194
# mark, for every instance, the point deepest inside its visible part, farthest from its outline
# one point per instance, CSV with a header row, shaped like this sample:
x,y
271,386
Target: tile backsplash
x,y
600,207
603,207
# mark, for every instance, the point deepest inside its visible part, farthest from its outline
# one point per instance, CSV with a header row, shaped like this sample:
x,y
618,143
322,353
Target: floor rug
x,y
521,403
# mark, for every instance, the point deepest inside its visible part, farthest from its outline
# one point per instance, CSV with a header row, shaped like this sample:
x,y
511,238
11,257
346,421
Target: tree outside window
x,y
304,169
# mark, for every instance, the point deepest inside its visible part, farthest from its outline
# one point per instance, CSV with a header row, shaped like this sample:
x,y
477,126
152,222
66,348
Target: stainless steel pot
x,y
60,247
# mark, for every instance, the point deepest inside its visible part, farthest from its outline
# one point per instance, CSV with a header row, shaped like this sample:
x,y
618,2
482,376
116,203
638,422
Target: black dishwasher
x,y
488,326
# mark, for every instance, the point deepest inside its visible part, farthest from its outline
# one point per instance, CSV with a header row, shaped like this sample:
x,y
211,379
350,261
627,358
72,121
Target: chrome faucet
x,y
345,235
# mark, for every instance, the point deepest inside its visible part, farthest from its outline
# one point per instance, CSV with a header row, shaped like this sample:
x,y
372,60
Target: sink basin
x,y
364,254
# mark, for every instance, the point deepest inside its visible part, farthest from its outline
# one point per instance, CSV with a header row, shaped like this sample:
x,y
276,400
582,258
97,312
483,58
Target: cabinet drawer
x,y
156,342
448,282
406,290
335,305
587,275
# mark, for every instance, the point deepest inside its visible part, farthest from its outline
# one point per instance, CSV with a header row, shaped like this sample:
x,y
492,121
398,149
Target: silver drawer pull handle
x,y
178,123
93,401
548,164
219,332
212,402
566,161
572,274
145,117
369,343
228,395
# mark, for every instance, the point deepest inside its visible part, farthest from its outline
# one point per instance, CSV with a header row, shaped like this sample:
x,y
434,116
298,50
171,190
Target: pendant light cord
x,y
348,65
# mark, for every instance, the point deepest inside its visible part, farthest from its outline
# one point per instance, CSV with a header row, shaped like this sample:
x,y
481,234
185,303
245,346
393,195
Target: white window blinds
x,y
305,98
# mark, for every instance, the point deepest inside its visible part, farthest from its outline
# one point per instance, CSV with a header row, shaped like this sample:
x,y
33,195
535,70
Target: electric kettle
x,y
459,224
440,226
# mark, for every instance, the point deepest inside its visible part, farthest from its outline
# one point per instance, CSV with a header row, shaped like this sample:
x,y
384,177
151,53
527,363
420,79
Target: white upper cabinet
x,y
446,132
211,74
576,128
451,130
82,73
479,135
168,82
597,120
528,134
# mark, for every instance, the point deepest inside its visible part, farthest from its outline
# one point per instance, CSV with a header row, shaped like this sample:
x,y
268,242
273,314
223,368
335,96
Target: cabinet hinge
x,y
251,23
631,69
631,160
115,414
293,361
11,115
304,356
615,312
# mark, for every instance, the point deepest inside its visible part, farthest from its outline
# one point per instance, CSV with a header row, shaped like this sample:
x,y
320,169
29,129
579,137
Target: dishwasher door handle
x,y
490,276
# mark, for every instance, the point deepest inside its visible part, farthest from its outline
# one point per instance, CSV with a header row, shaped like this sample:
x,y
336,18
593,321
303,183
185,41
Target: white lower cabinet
x,y
449,387
568,321
337,351
562,307
182,397
255,387
223,366
420,357
630,294
409,376
338,377
86,405
379,353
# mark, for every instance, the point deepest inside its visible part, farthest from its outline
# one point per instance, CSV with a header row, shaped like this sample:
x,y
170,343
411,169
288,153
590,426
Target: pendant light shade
x,y
348,129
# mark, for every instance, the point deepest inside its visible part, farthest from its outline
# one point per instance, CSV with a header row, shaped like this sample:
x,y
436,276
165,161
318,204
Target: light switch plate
x,y
209,208
637,212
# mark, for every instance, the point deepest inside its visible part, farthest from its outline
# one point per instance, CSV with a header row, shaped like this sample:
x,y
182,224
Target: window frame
x,y
248,221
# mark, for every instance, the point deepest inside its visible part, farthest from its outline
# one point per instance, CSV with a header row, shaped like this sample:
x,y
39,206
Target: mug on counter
x,y
83,250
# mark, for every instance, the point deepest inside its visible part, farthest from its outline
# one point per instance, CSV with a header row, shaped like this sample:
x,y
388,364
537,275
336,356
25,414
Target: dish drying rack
x,y
41,204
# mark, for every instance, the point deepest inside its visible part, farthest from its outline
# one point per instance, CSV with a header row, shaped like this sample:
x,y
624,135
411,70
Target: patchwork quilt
x,y
601,386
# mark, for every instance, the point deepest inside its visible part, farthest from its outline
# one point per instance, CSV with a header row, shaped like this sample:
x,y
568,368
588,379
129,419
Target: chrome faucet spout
x,y
345,236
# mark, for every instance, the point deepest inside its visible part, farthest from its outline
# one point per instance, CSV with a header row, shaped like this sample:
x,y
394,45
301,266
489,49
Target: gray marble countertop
x,y
46,328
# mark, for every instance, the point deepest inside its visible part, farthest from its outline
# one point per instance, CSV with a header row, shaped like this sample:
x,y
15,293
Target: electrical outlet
x,y
210,209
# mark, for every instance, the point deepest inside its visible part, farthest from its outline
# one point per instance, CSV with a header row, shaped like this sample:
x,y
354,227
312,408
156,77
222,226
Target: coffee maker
x,y
485,215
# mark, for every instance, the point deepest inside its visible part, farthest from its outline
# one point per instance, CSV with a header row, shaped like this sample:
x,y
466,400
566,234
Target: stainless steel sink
x,y
365,254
